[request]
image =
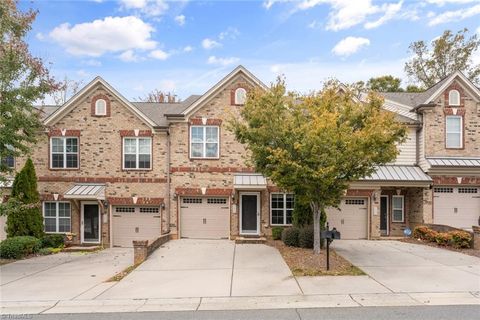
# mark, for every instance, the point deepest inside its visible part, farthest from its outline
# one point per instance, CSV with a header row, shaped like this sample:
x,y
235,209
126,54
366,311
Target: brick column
x,y
427,205
140,251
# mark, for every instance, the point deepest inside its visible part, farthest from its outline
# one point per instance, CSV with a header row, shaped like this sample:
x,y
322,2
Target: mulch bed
x,y
470,252
303,262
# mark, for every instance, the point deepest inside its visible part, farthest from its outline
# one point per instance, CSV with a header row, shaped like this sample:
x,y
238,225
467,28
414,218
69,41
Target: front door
x,y
90,223
384,215
250,213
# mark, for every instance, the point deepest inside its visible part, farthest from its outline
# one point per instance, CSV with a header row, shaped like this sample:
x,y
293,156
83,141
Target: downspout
x,y
167,205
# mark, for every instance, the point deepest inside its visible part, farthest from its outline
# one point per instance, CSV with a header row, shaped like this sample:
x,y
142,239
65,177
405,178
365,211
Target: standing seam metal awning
x,y
249,181
454,162
398,173
86,191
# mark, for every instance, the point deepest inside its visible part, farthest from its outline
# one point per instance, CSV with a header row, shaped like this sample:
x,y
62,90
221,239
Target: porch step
x,y
256,240
82,248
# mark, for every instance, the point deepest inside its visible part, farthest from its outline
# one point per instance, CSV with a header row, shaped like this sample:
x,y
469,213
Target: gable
x,y
89,89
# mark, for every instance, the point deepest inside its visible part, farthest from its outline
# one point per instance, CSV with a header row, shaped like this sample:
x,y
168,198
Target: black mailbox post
x,y
330,235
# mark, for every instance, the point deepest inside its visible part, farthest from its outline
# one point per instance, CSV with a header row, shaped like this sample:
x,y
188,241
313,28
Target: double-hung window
x,y
204,142
137,153
453,132
64,152
57,217
398,209
281,208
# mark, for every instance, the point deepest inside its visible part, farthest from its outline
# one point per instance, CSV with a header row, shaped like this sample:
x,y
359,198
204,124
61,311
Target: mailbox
x,y
330,234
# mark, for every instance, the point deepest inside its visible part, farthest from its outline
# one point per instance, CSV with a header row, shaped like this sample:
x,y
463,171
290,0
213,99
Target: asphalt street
x,y
465,312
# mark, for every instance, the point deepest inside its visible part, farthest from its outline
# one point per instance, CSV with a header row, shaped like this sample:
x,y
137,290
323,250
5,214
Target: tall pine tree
x,y
24,217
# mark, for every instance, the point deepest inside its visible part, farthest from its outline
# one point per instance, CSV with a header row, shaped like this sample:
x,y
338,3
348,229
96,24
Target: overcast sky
x,y
187,46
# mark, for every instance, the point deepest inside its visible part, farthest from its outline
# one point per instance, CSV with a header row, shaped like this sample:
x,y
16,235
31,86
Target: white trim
x,y
284,209
446,132
204,142
403,209
104,113
388,213
225,80
82,233
65,108
137,153
244,96
57,217
455,103
64,153
257,232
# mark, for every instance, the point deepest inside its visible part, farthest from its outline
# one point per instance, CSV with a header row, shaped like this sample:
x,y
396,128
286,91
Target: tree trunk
x,y
316,227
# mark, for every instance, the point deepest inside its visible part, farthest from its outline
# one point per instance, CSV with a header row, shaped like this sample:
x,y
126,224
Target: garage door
x,y
458,207
204,218
135,223
351,220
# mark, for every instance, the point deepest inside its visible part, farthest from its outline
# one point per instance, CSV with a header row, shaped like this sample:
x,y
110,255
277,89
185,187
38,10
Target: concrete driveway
x,y
207,268
404,267
62,276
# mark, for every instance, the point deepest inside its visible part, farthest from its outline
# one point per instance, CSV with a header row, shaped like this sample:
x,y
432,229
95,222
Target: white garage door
x,y
204,218
351,220
135,223
458,207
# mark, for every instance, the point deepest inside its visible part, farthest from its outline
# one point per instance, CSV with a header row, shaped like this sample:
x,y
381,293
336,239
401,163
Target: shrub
x,y
45,251
424,233
443,238
53,241
290,236
305,237
460,239
277,233
18,247
302,213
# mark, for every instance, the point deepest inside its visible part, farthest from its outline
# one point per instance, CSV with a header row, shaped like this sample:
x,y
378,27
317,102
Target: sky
x,y
185,47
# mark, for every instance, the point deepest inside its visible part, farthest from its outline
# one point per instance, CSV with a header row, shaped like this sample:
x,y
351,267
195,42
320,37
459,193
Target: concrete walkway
x,y
62,276
219,275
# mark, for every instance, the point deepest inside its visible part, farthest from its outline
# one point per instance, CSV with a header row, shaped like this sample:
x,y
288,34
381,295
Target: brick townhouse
x,y
111,171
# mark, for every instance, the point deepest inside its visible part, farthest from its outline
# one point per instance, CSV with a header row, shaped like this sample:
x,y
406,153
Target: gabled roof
x,y
238,70
416,99
67,106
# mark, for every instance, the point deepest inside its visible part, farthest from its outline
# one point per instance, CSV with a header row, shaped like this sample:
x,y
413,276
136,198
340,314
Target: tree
x,y
23,80
159,97
24,217
316,144
414,88
66,89
385,83
448,53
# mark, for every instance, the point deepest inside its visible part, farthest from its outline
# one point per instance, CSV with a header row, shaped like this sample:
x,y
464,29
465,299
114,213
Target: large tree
x,y
24,79
387,83
315,145
448,53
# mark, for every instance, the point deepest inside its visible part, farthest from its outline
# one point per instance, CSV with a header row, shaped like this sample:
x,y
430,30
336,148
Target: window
x,y
240,96
192,200
64,153
397,209
56,217
137,153
443,190
453,132
355,201
100,107
204,142
9,162
149,210
124,209
467,190
281,208
217,201
454,98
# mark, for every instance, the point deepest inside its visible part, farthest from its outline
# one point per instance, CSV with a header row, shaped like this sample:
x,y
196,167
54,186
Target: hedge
x,y
53,241
457,238
277,233
18,247
290,236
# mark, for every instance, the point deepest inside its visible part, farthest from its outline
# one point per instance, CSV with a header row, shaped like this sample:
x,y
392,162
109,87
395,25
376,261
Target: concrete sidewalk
x,y
241,303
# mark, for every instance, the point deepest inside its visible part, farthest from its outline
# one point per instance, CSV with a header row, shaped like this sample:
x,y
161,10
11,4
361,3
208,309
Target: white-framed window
x,y
137,153
8,161
100,107
240,96
64,152
398,209
454,98
453,132
204,142
281,208
56,217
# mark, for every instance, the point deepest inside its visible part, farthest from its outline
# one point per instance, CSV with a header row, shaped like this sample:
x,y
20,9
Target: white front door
x,y
250,213
91,226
